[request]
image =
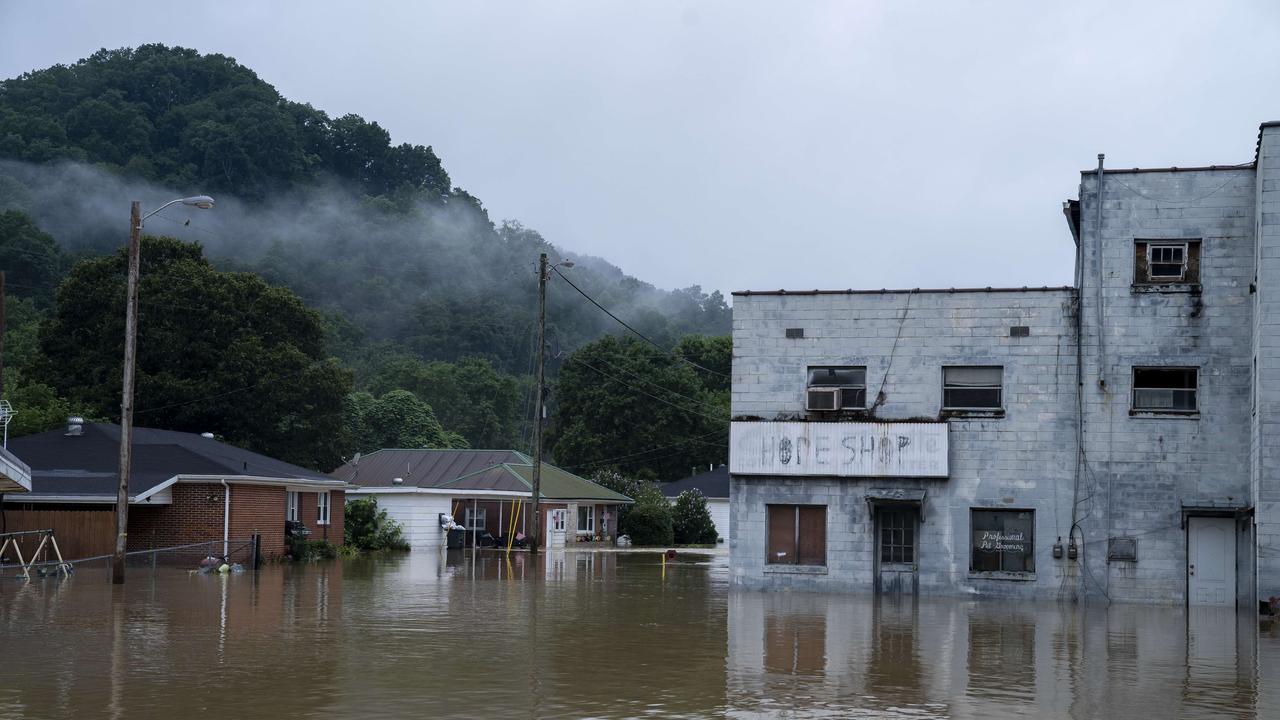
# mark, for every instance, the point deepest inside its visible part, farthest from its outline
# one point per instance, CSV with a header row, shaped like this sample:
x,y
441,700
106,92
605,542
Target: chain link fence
x,y
245,552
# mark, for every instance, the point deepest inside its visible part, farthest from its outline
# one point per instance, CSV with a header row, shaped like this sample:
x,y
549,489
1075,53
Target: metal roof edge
x,y
1172,168
851,291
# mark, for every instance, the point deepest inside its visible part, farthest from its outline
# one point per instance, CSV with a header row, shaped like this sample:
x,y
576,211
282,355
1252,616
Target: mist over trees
x,y
364,248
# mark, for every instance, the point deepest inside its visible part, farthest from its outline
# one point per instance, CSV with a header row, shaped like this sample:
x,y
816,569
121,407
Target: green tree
x,y
397,419
470,397
220,352
623,404
31,260
649,521
691,519
368,528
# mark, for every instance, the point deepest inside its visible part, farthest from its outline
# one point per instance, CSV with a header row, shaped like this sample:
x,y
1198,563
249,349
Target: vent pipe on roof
x,y
75,426
208,435
397,481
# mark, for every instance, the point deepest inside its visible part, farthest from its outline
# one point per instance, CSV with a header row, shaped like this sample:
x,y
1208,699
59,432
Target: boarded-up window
x,y
1003,541
1171,390
972,388
797,535
1166,262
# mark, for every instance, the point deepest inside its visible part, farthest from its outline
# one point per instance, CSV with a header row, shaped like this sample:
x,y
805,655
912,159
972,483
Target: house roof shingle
x,y
88,464
712,483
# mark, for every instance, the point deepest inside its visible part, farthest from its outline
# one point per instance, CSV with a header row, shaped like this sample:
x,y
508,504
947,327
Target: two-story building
x,y
1111,439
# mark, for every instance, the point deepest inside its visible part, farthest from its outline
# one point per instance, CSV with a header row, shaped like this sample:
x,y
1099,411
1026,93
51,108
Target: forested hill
x,y
417,288
331,207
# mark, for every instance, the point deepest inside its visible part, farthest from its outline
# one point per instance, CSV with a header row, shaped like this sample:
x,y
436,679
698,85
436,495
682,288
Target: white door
x,y
555,528
1211,561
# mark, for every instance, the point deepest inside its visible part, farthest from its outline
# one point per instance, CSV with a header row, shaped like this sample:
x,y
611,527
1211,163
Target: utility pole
x,y
126,399
2,331
536,537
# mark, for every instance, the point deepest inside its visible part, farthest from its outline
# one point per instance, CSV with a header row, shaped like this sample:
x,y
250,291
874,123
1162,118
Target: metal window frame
x,y
1032,541
323,508
838,390
988,408
1133,389
292,506
591,519
470,514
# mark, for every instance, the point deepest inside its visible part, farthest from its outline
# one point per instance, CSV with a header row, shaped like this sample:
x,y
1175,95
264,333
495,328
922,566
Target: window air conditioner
x,y
822,399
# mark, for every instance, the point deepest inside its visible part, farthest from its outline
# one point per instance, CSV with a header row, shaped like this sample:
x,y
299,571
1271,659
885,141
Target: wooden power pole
x,y
126,398
539,404
2,331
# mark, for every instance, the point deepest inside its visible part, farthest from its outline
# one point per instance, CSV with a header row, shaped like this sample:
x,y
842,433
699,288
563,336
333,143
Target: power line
x,y
695,401
686,441
638,334
624,383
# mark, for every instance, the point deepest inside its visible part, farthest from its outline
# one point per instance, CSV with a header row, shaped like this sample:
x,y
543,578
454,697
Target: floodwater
x,y
597,634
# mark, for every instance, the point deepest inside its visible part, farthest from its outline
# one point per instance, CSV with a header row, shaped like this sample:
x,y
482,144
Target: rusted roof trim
x,y
749,293
1174,169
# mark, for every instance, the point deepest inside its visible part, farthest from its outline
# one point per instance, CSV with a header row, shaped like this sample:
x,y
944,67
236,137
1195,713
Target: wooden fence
x,y
80,533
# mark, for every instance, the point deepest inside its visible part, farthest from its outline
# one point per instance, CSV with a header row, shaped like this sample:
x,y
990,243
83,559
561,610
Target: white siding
x,y
719,508
418,514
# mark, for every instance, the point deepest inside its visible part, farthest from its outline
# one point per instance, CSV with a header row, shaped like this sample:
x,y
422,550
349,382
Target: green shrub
x,y
691,519
306,550
649,522
369,529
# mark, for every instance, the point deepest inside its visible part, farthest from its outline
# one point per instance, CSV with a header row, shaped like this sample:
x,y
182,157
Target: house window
x,y
1171,390
557,520
836,388
291,506
1157,262
586,519
322,508
475,519
797,534
972,388
1003,541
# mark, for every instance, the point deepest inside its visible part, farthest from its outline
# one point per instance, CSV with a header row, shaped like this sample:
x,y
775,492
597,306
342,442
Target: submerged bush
x,y
369,529
691,519
307,550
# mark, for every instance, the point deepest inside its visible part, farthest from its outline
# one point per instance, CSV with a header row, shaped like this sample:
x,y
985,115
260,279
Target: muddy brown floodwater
x,y
597,634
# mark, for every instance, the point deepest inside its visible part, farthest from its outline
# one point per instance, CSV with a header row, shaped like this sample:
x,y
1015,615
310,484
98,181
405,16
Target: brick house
x,y
184,488
1115,438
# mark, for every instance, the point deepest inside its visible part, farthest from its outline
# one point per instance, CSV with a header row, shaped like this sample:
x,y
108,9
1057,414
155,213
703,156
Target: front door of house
x,y
1211,561
555,528
896,550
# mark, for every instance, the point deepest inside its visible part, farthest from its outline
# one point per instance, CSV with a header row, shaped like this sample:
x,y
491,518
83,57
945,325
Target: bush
x,y
308,550
649,522
691,519
634,488
369,529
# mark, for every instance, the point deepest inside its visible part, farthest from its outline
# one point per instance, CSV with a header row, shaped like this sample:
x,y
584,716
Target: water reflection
x,y
833,656
587,634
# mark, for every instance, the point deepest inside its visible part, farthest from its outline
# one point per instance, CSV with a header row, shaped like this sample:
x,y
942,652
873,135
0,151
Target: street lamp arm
x,y
204,202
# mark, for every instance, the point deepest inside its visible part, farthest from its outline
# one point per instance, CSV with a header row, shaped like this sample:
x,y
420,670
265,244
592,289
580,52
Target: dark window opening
x,y
1003,541
1122,549
897,536
1161,262
836,388
1165,389
797,534
972,388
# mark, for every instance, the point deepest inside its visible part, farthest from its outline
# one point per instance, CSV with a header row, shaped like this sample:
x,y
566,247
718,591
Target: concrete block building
x,y
1116,438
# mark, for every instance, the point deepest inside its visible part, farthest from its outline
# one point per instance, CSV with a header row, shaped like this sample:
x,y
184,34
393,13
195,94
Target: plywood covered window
x,y
972,388
1003,541
797,534
1166,262
1171,390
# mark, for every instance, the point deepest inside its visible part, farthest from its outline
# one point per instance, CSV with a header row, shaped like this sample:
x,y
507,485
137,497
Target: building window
x,y
1171,390
322,508
1161,262
836,388
1003,541
557,520
797,534
897,536
972,388
291,506
475,519
586,519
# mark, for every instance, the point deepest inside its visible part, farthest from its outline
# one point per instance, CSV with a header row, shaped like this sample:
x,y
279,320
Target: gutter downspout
x,y
226,519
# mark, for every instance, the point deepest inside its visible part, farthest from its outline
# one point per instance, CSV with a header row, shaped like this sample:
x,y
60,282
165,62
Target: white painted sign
x,y
840,449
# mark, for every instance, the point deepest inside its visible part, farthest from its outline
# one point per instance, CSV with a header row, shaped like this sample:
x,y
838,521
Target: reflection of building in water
x,y
952,658
1104,439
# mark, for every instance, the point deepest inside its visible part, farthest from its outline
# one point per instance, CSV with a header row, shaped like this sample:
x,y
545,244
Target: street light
x,y
136,218
543,275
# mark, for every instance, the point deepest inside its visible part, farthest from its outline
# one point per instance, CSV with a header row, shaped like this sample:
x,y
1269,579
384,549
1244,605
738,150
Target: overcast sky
x,y
741,145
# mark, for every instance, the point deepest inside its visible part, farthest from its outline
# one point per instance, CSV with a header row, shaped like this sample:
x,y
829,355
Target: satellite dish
x,y
355,459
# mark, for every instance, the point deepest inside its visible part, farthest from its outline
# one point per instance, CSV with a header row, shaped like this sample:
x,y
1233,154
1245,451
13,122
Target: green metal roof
x,y
556,484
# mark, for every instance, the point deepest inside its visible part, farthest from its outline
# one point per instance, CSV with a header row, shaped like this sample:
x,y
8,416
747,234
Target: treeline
x,y
343,297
